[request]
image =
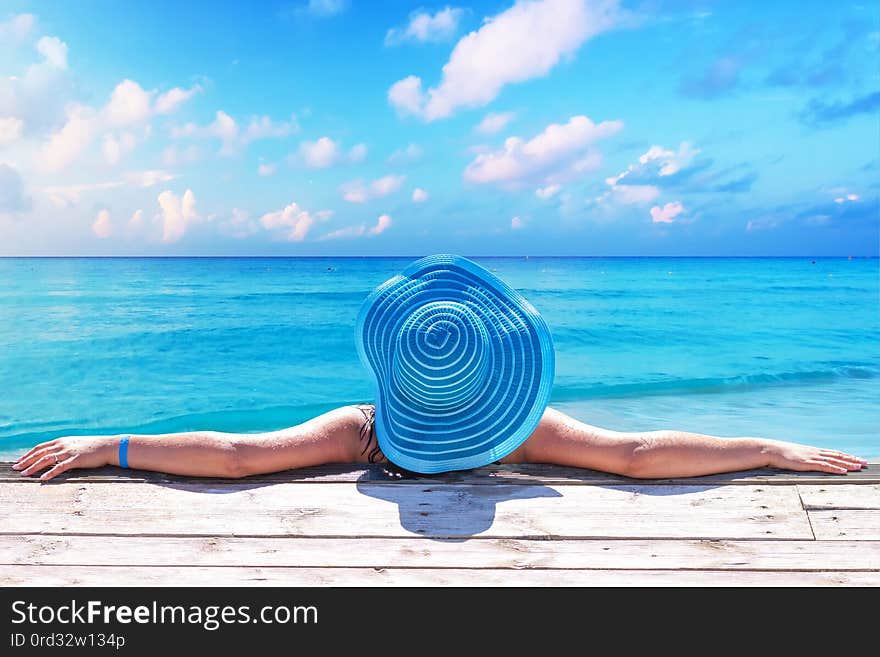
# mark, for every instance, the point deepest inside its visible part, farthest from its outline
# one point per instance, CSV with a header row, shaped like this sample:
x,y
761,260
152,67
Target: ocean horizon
x,y
779,346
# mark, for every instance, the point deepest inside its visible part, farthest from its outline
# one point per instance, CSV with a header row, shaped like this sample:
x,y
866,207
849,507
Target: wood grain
x,y
405,510
846,524
200,576
842,496
624,554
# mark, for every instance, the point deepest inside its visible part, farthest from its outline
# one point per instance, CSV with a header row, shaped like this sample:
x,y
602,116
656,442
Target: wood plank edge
x,y
437,537
531,474
455,567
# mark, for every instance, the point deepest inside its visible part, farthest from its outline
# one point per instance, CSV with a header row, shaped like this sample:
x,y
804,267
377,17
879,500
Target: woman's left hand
x,y
66,453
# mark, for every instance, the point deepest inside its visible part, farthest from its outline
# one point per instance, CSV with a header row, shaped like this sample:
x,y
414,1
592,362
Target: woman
x,y
463,367
346,435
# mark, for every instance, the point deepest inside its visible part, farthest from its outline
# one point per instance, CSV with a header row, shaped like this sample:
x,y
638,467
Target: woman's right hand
x,y
67,453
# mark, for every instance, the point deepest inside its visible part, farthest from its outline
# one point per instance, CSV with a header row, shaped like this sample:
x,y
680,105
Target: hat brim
x,y
502,413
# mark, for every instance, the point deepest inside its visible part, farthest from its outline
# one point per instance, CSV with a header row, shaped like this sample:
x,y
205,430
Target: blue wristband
x,y
123,452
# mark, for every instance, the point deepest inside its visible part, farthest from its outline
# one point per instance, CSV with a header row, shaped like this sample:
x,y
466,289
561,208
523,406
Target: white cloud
x,y
385,185
358,153
840,200
12,195
239,225
521,43
169,101
54,52
224,126
409,154
17,28
657,162
266,170
263,127
115,148
176,214
231,137
343,233
65,196
382,224
188,130
424,26
635,194
225,129
517,223
666,214
292,222
147,178
357,191
174,155
10,129
102,228
137,220
547,155
419,195
64,146
547,192
129,103
669,162
406,95
39,94
494,122
319,154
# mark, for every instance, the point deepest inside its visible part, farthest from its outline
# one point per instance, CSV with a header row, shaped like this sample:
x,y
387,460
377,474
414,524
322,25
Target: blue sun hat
x,y
463,365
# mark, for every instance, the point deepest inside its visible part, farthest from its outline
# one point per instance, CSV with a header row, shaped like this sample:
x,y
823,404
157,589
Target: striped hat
x,y
463,365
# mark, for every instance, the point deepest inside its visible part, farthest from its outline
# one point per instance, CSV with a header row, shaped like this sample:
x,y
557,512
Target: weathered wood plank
x,y
846,524
494,474
416,553
406,510
844,496
198,576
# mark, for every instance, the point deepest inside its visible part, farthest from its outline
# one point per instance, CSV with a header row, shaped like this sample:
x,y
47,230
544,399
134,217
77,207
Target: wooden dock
x,y
502,525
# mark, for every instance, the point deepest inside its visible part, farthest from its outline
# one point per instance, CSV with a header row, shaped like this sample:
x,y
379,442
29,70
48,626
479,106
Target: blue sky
x,y
345,127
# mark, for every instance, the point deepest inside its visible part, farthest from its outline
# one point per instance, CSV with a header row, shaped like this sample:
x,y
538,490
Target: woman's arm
x,y
339,437
329,438
562,440
196,453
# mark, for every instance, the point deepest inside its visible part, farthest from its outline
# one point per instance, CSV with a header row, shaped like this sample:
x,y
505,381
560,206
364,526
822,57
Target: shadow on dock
x,y
445,512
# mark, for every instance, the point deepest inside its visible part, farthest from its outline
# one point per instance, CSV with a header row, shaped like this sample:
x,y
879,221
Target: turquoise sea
x,y
781,347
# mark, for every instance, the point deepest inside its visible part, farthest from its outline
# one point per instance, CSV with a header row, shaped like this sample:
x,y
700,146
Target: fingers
x,y
843,456
834,465
28,456
43,462
33,456
846,465
827,466
63,466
